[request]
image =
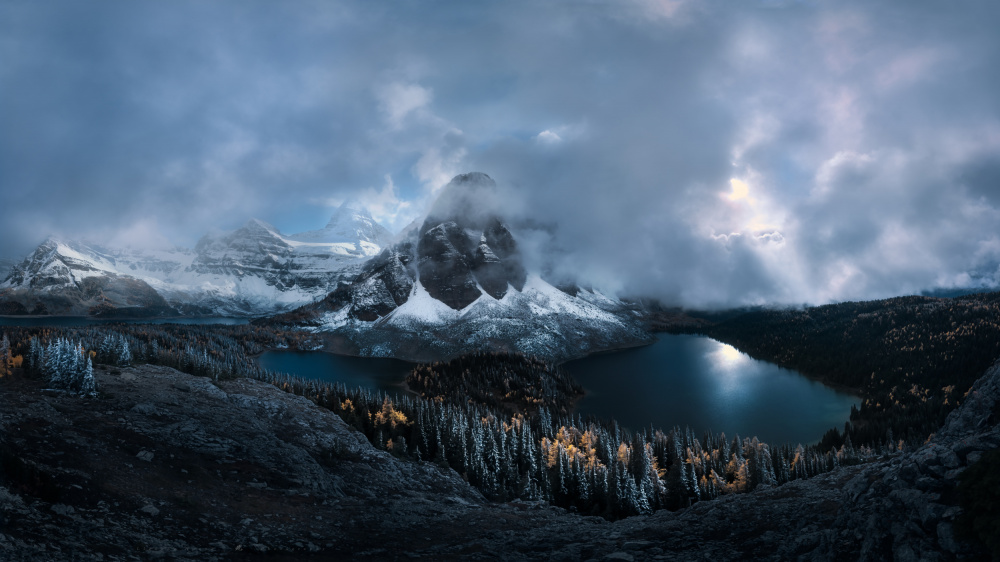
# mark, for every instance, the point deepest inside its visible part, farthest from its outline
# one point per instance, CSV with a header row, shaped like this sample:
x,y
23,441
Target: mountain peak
x,y
351,223
257,224
469,199
474,178
352,204
349,211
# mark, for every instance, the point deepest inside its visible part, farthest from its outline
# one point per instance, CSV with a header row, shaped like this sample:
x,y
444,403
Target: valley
x,y
602,281
168,464
544,453
442,352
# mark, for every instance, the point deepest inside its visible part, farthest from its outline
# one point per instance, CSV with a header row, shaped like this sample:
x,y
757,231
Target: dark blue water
x,y
77,321
374,373
707,385
679,380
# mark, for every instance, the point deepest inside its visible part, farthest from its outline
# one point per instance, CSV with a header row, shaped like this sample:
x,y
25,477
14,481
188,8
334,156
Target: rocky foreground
x,y
163,465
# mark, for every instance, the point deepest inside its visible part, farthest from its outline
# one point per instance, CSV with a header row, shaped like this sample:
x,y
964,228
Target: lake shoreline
x,y
338,344
694,380
688,379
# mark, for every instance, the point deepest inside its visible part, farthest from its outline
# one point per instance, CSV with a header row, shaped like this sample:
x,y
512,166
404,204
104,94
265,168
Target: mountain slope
x,y
350,224
174,466
458,283
250,271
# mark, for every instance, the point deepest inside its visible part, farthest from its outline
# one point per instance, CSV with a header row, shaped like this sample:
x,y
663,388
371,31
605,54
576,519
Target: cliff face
x,y
168,465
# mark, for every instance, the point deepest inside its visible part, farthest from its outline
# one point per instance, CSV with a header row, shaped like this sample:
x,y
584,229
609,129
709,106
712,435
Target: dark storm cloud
x,y
709,153
183,112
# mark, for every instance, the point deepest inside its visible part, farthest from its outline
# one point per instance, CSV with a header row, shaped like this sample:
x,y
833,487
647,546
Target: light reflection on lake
x,y
699,382
679,380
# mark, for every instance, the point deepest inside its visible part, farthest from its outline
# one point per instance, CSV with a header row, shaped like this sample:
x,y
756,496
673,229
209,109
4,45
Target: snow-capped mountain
x,y
250,271
351,225
458,283
59,277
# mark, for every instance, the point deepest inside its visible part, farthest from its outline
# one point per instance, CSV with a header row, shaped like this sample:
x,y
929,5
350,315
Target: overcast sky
x,y
708,153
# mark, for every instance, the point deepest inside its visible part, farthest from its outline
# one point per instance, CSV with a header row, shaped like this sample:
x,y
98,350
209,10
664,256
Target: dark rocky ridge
x,y
459,252
383,284
458,283
166,465
465,248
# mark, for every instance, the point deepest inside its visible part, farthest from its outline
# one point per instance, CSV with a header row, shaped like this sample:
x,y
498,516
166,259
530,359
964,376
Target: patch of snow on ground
x,y
546,299
599,299
422,307
333,320
369,248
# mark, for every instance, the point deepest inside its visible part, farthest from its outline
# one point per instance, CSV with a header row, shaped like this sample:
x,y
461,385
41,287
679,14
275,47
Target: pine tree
x,y
35,353
106,350
124,353
66,364
88,386
53,363
6,361
75,365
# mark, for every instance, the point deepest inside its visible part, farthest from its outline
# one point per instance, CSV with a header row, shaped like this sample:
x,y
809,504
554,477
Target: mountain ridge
x,y
252,270
458,283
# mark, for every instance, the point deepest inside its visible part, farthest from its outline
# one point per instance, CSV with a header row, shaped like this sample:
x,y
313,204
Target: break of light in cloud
x,y
740,190
709,153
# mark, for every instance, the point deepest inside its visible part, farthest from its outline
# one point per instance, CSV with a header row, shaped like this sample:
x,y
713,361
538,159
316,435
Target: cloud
x,y
142,234
653,11
707,153
548,137
399,100
386,207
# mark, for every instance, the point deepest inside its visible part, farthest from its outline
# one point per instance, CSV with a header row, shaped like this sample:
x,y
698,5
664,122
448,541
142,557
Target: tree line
x,y
534,451
218,352
589,465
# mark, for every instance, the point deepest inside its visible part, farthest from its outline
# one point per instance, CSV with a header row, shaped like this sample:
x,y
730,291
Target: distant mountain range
x,y
458,282
253,270
454,282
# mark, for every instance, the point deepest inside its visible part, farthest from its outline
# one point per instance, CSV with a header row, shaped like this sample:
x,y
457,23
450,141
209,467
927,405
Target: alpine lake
x,y
679,380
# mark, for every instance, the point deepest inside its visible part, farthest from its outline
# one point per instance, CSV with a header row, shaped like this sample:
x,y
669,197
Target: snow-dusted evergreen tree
x,y
114,349
52,363
6,361
68,366
75,364
35,353
124,353
88,386
105,351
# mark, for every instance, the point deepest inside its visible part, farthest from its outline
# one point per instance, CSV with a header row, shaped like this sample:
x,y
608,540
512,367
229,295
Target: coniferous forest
x,y
502,380
503,421
507,433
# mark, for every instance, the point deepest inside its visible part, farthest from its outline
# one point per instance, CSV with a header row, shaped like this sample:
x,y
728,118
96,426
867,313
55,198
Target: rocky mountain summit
x,y
464,248
252,270
457,283
164,465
